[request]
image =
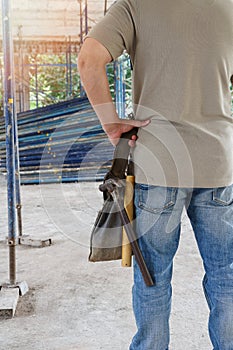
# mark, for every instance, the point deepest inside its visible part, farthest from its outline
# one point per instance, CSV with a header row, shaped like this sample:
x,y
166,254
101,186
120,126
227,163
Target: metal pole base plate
x,y
34,242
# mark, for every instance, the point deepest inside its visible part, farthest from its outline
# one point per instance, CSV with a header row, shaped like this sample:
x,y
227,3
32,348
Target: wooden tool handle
x,y
128,204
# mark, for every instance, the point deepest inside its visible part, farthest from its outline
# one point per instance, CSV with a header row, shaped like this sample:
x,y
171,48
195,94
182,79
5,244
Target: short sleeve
x,y
117,30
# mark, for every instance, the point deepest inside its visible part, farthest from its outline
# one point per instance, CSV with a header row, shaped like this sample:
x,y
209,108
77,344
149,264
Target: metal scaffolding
x,y
12,158
22,68
56,62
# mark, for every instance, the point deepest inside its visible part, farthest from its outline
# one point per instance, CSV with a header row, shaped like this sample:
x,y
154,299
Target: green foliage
x,y
53,78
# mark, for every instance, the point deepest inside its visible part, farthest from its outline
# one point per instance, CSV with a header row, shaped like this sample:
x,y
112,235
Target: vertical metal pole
x,y
119,86
20,70
1,83
70,68
16,142
67,71
9,121
105,7
17,177
86,18
82,91
36,81
81,21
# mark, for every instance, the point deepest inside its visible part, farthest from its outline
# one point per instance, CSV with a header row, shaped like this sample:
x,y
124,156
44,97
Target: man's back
x,y
182,55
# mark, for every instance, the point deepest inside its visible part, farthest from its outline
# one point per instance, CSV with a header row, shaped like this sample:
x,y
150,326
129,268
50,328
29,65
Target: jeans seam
x,y
219,201
157,210
167,206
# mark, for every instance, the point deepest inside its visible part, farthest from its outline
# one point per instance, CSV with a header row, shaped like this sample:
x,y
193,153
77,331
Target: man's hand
x,y
115,130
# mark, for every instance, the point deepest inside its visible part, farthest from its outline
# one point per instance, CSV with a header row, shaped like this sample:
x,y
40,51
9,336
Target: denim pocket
x,y
156,199
223,195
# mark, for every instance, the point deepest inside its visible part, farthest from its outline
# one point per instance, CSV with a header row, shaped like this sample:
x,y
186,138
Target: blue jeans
x,y
158,217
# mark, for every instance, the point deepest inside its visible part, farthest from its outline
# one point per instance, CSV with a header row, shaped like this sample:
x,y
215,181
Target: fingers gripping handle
x,y
121,154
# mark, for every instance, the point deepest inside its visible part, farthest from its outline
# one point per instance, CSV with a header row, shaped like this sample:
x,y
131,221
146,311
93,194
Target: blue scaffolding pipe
x,y
119,86
10,124
66,137
17,174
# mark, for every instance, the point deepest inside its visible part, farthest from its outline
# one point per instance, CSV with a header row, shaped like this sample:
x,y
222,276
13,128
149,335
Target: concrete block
x,y
8,302
34,242
23,288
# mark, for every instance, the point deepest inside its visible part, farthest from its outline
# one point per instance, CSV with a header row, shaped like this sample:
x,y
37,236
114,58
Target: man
x,y
182,57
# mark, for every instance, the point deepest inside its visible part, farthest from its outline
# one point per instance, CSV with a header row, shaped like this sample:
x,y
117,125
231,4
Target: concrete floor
x,y
76,305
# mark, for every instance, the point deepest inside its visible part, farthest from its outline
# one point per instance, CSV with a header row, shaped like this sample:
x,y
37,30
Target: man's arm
x,y
92,61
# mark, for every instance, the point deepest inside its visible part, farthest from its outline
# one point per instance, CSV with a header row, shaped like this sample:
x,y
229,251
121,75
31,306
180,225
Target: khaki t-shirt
x,y
182,56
